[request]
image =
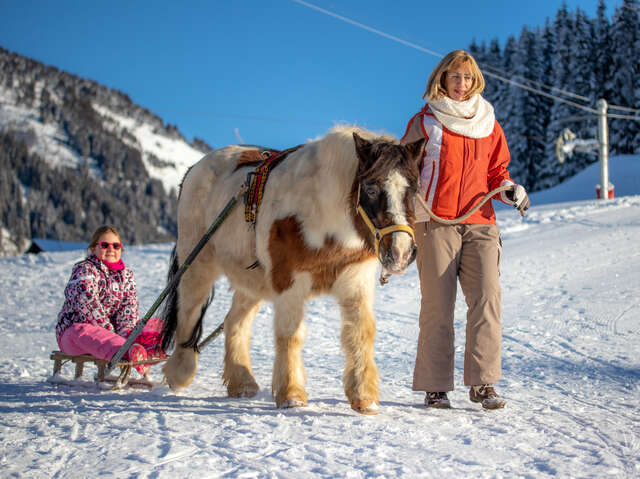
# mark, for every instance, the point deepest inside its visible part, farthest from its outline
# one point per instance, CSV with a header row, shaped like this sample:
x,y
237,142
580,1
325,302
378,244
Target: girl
x,y
101,306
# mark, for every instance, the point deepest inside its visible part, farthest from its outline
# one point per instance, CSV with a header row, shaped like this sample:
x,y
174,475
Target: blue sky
x,y
270,72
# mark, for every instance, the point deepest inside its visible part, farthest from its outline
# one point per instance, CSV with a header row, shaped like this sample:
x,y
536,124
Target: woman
x,y
466,156
101,306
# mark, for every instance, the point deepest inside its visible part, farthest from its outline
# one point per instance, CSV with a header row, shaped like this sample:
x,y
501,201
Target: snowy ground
x,y
571,296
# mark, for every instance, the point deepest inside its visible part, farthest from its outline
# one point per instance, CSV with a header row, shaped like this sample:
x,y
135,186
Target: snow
x,y
176,155
571,336
51,143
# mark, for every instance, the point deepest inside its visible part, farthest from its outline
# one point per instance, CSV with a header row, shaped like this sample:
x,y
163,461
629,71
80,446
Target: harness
x,y
257,179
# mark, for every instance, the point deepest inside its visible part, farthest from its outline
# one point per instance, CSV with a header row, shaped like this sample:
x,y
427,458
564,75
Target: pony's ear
x,y
362,145
416,150
363,151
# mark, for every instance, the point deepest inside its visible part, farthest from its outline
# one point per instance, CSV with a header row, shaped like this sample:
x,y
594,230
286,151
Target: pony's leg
x,y
237,375
193,290
288,371
358,331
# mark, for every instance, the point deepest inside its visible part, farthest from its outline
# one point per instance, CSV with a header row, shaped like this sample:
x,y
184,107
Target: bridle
x,y
379,233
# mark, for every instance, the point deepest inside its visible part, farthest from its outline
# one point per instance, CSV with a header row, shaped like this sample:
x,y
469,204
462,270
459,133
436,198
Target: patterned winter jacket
x,y
96,295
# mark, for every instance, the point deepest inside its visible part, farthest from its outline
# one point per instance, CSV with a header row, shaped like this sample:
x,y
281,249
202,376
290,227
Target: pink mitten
x,y
152,342
138,353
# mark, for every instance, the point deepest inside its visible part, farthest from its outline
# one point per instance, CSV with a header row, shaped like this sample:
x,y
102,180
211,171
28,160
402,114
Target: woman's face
x,y
109,248
458,82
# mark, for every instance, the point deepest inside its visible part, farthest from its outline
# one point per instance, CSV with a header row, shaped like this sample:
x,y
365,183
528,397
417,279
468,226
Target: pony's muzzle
x,y
400,254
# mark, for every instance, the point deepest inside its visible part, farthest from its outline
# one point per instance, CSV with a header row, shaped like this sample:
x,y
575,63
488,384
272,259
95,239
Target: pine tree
x,y
547,50
552,172
478,51
624,135
503,103
539,106
527,143
581,67
506,107
603,61
492,58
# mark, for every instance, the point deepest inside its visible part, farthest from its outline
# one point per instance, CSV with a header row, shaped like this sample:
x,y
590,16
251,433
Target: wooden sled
x,y
59,359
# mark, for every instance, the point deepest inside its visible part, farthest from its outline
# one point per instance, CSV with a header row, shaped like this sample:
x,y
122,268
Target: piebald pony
x,y
309,239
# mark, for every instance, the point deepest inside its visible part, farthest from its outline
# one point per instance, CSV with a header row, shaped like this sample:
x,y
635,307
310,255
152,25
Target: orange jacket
x,y
458,171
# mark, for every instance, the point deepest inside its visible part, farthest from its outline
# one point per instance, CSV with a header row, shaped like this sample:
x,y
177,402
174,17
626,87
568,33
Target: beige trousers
x,y
470,253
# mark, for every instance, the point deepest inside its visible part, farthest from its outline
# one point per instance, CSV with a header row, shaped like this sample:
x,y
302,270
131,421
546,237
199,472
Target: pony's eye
x,y
371,191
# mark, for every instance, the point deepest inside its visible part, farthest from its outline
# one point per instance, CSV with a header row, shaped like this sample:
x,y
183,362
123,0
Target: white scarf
x,y
473,117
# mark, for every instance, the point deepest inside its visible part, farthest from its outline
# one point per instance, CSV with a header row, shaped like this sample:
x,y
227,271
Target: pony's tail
x,y
196,334
170,312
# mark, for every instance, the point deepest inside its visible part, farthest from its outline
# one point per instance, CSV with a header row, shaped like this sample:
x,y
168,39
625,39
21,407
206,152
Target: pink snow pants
x,y
85,338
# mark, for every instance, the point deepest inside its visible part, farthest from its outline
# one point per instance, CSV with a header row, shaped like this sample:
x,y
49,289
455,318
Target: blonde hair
x,y
100,231
436,88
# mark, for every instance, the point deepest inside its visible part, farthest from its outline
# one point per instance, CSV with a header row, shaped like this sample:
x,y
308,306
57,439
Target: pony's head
x,y
386,182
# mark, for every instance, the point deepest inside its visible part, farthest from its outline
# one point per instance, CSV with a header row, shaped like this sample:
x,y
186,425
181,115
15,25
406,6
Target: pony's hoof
x,y
292,402
244,392
167,382
173,385
366,406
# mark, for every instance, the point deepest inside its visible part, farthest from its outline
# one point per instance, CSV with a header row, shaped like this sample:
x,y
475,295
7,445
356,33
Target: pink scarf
x,y
114,266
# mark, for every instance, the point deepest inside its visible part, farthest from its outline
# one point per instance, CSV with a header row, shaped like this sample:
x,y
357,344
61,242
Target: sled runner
x,y
59,359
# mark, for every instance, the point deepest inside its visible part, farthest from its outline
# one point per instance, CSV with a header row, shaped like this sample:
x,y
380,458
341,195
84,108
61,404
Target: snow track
x,y
571,324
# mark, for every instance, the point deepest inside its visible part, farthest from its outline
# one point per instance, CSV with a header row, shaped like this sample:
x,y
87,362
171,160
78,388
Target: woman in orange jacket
x,y
466,156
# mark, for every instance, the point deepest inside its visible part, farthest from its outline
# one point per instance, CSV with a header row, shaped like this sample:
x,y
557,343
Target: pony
x,y
330,212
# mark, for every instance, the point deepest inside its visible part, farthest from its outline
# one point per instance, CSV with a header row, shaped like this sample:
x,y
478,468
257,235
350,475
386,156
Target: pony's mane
x,y
348,130
380,142
340,144
337,152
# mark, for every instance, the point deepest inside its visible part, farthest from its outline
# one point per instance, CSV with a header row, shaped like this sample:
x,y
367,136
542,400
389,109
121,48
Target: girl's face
x,y
109,248
458,82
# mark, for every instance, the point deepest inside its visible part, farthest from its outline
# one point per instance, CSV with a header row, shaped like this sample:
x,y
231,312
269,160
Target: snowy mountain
x,y
82,136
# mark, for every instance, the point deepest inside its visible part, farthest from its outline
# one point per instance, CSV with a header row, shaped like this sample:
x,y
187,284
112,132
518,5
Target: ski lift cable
x,y
543,93
240,117
366,27
630,7
540,84
439,55
623,108
623,117
483,65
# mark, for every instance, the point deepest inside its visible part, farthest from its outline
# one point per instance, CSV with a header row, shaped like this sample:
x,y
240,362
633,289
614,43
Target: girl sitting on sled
x,y
101,306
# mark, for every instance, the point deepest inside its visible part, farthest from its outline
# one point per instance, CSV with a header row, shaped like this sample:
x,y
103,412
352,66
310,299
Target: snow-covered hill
x,y
75,154
166,156
571,317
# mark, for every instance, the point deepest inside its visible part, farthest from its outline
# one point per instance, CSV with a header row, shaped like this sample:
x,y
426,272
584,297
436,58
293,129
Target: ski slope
x,y
571,375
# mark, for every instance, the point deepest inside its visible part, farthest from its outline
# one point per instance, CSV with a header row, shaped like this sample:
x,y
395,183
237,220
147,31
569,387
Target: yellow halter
x,y
377,233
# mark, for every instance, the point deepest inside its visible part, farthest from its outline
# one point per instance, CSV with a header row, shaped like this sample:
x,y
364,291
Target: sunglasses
x,y
105,245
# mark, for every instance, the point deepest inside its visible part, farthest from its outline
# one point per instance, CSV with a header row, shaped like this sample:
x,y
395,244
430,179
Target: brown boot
x,y
485,394
438,400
